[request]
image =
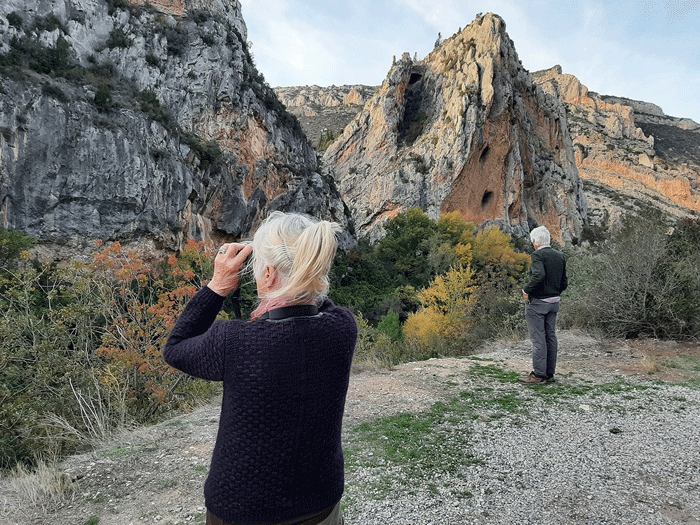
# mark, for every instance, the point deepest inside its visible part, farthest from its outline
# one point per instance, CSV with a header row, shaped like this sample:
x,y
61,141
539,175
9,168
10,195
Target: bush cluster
x,y
642,282
29,53
209,153
80,347
326,139
155,110
177,40
118,38
439,288
14,20
450,285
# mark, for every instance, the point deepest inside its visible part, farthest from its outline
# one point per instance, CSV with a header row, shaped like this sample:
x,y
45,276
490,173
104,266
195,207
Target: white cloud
x,y
289,50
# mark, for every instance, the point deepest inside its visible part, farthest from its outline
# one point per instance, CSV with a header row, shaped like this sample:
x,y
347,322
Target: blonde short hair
x,y
300,249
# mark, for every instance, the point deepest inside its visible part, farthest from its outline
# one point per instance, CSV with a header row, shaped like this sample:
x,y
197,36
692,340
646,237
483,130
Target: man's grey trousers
x,y
541,323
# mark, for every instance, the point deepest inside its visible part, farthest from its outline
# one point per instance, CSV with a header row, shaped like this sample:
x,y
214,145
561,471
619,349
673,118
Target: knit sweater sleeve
x,y
197,343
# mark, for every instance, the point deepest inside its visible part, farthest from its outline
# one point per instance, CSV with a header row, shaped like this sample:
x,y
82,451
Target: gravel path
x,y
590,459
615,440
605,444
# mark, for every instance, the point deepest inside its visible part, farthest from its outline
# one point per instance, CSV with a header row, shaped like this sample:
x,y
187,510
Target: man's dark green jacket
x,y
547,274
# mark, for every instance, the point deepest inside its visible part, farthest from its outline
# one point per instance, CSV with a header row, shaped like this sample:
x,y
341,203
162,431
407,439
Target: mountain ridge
x,y
667,145
463,130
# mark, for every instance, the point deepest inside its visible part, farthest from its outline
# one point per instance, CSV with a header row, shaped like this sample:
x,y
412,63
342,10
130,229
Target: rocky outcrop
x,y
324,111
144,121
465,130
632,157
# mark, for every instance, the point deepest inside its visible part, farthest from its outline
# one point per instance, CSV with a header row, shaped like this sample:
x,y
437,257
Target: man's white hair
x,y
540,236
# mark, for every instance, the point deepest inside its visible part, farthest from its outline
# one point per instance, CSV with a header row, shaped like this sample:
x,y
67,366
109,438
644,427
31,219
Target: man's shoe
x,y
532,379
549,379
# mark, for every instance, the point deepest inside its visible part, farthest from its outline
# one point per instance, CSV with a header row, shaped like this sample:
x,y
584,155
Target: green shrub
x,y
105,70
643,283
11,59
46,60
152,107
118,38
14,20
12,245
177,40
376,349
152,60
391,326
326,139
103,98
209,153
49,23
54,91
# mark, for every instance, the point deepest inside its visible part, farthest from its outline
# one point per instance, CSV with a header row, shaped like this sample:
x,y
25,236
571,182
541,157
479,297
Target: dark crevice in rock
x,y
415,111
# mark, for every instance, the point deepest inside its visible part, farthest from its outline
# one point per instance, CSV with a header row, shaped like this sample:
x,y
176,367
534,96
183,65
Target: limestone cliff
x,y
631,156
143,120
324,110
466,129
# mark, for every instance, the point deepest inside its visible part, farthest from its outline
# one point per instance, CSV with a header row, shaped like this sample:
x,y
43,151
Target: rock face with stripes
x,y
632,157
466,129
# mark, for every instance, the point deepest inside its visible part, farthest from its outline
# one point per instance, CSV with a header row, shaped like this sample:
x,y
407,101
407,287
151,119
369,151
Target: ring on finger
x,y
222,251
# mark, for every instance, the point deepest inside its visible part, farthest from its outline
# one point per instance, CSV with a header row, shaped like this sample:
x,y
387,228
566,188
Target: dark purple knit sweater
x,y
278,453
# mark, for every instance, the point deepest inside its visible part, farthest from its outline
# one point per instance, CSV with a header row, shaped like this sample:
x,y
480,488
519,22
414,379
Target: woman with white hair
x,y
278,456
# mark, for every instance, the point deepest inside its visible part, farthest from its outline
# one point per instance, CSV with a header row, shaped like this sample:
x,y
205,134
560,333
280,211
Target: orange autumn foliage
x,y
141,306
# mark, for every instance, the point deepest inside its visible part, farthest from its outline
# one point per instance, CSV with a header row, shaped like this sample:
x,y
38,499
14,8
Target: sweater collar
x,y
295,310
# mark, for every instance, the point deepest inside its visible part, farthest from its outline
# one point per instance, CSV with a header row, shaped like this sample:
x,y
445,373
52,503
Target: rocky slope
x,y
145,121
466,130
632,157
324,110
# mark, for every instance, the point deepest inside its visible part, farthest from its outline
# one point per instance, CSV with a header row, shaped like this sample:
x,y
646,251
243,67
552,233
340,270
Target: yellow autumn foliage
x,y
492,246
445,309
489,247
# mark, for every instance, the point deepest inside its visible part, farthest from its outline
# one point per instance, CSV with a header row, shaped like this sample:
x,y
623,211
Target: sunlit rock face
x,y
324,111
158,129
466,129
632,157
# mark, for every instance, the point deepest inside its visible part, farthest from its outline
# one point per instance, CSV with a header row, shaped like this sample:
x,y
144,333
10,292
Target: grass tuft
x,y
41,488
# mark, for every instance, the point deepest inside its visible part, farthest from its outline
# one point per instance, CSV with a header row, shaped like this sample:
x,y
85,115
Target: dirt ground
x,y
156,474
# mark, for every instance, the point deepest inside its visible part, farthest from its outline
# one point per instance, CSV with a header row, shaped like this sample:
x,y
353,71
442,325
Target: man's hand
x,y
526,296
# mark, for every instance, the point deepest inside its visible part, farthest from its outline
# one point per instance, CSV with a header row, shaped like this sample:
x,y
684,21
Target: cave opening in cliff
x,y
415,115
415,77
484,154
486,199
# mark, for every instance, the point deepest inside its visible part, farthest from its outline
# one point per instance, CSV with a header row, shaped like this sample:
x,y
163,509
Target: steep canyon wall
x,y
145,122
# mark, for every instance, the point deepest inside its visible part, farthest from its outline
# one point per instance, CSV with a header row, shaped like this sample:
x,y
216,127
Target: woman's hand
x,y
227,267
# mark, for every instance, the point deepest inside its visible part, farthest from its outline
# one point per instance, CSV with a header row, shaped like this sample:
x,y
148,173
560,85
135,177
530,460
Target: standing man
x,y
542,293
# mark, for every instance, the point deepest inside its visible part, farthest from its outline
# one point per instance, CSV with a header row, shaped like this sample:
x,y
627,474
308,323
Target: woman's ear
x,y
270,277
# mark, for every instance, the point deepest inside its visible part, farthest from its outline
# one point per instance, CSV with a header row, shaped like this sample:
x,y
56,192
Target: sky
x,y
645,50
